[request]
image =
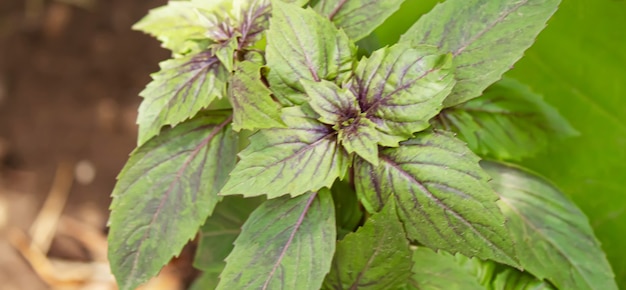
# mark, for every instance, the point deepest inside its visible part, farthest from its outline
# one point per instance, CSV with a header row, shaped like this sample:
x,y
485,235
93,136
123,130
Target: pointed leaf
x,y
334,104
507,122
287,243
400,89
377,256
304,157
485,37
442,196
180,90
164,193
361,136
552,236
176,25
253,107
339,107
441,271
303,45
357,17
220,231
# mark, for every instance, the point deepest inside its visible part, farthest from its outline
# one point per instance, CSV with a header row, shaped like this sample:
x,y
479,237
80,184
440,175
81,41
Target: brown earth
x,y
69,79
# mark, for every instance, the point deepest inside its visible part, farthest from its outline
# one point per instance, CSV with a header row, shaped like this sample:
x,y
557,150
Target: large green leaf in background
x,y
553,238
579,65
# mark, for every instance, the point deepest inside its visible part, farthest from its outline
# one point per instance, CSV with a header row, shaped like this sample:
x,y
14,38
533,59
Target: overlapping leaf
x,y
278,160
485,37
441,194
552,236
512,279
339,107
220,231
376,256
176,25
164,193
334,104
180,90
253,106
303,45
507,122
441,271
287,243
358,18
401,88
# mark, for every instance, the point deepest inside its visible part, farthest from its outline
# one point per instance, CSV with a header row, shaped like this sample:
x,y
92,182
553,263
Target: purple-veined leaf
x,y
442,196
376,256
287,243
303,157
361,136
243,20
340,108
253,106
552,236
358,18
179,91
334,104
303,45
485,37
164,193
401,88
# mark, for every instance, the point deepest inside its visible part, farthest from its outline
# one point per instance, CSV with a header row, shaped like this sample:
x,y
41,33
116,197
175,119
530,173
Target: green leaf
x,y
360,136
334,104
377,256
511,279
358,18
297,2
225,52
442,196
507,122
552,236
207,280
578,63
339,107
164,193
176,25
287,243
401,88
303,45
179,91
485,37
348,213
253,107
441,271
220,231
304,157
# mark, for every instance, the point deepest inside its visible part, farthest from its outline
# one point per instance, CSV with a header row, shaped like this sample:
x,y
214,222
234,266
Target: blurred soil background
x,y
70,74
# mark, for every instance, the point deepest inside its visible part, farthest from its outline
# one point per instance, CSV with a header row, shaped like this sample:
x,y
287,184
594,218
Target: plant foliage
x,y
360,171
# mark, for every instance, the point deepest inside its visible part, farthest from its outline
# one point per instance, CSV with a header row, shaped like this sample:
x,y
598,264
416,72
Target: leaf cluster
x,y
301,164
